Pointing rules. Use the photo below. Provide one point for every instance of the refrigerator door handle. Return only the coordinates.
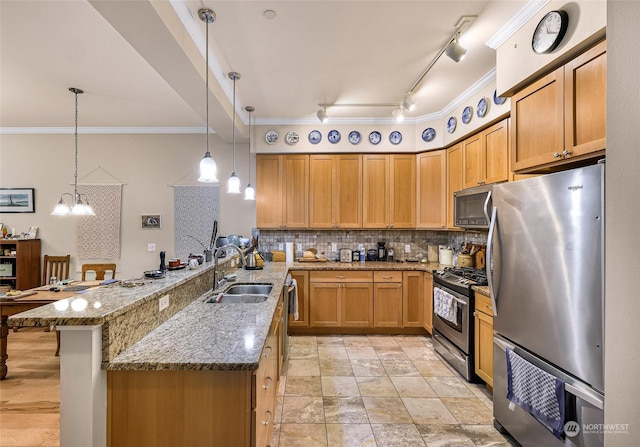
(502, 344)
(492, 227)
(585, 395)
(485, 208)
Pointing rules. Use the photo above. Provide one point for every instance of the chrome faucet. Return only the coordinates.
(217, 280)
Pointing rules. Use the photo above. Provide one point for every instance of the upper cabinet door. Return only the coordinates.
(322, 191)
(348, 191)
(455, 168)
(269, 191)
(375, 190)
(402, 180)
(496, 152)
(296, 191)
(586, 102)
(474, 161)
(431, 189)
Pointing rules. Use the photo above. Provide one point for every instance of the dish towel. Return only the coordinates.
(537, 392)
(293, 298)
(445, 305)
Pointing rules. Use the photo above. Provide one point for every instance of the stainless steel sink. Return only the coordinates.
(242, 293)
(249, 288)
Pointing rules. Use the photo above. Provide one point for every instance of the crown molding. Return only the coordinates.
(516, 22)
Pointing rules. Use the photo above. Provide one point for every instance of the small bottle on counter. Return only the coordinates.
(362, 256)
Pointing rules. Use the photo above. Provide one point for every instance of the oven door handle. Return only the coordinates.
(492, 229)
(453, 297)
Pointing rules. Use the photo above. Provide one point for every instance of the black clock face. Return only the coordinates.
(550, 32)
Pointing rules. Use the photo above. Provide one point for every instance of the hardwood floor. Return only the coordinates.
(30, 395)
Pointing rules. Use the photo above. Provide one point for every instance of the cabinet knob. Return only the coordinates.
(566, 153)
(268, 381)
(340, 276)
(267, 351)
(556, 155)
(387, 277)
(269, 417)
(475, 314)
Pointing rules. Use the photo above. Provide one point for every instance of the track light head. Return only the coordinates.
(455, 51)
(408, 103)
(398, 114)
(322, 115)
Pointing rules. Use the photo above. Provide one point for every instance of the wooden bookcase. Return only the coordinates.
(24, 265)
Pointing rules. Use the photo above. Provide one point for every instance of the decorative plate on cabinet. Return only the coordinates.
(292, 137)
(395, 137)
(467, 113)
(354, 137)
(428, 134)
(271, 137)
(375, 137)
(334, 136)
(482, 108)
(498, 99)
(451, 124)
(315, 137)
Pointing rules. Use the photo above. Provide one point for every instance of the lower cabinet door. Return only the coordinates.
(357, 304)
(324, 304)
(484, 347)
(387, 305)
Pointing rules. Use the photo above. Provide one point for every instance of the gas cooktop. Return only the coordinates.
(463, 276)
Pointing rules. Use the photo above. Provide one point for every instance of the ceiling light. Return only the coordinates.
(233, 185)
(249, 192)
(408, 103)
(398, 114)
(269, 14)
(322, 115)
(208, 168)
(455, 51)
(78, 208)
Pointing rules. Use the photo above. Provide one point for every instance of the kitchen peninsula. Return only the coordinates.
(207, 360)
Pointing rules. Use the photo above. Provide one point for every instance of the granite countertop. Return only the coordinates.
(368, 265)
(484, 290)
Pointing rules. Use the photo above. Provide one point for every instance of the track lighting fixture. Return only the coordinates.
(233, 185)
(456, 51)
(322, 115)
(208, 168)
(398, 114)
(408, 103)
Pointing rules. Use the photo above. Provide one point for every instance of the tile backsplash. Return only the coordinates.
(418, 240)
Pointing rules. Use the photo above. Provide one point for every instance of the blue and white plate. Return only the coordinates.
(315, 137)
(482, 108)
(451, 124)
(375, 137)
(498, 99)
(467, 113)
(428, 134)
(395, 137)
(333, 136)
(271, 137)
(355, 137)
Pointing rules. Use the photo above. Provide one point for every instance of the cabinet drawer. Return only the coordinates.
(387, 276)
(341, 276)
(483, 304)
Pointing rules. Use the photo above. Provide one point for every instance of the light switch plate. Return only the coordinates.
(151, 247)
(163, 303)
(281, 246)
(299, 247)
(407, 248)
(334, 246)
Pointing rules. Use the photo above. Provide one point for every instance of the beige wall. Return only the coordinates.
(147, 164)
(623, 214)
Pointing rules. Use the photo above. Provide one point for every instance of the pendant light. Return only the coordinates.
(78, 208)
(208, 168)
(233, 185)
(249, 192)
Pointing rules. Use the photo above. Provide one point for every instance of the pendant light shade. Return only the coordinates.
(78, 208)
(233, 185)
(249, 192)
(208, 167)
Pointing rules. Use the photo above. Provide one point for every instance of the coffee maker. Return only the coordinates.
(382, 252)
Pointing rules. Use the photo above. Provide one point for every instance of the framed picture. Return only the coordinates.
(150, 221)
(17, 200)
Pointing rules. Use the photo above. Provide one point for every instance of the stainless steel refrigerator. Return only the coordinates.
(546, 277)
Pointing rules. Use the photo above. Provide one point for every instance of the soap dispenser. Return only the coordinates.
(163, 266)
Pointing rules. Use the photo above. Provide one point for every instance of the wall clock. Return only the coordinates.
(550, 31)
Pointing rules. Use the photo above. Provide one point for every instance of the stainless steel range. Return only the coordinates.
(453, 316)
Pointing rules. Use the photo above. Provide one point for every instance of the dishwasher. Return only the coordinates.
(290, 301)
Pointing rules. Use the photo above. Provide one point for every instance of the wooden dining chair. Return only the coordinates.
(57, 266)
(99, 269)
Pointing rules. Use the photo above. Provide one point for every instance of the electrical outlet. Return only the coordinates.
(280, 246)
(334, 246)
(299, 247)
(163, 303)
(151, 247)
(407, 248)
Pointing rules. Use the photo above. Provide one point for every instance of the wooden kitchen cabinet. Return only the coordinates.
(428, 302)
(387, 298)
(341, 298)
(389, 191)
(455, 169)
(282, 190)
(412, 299)
(486, 156)
(483, 338)
(20, 271)
(302, 279)
(561, 118)
(431, 198)
(335, 191)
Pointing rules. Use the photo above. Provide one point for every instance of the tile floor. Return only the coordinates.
(384, 391)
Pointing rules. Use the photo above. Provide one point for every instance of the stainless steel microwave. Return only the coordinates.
(472, 207)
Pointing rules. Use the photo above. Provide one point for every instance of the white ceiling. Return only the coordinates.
(141, 63)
